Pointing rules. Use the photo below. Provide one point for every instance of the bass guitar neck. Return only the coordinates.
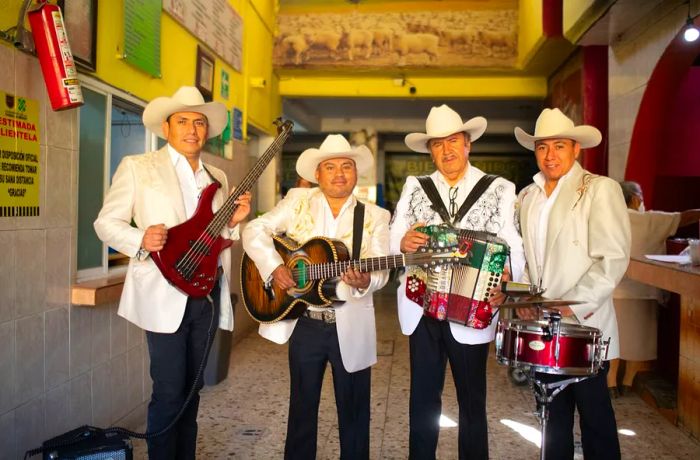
(190, 258)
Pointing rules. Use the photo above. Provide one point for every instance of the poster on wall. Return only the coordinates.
(215, 23)
(19, 156)
(468, 33)
(142, 35)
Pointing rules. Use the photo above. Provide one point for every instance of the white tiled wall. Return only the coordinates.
(61, 365)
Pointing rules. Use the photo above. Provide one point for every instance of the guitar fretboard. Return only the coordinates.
(333, 269)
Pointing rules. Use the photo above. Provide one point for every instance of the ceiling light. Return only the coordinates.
(691, 32)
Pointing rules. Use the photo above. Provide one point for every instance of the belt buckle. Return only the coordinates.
(328, 316)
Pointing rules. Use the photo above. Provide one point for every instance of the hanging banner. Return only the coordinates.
(19, 156)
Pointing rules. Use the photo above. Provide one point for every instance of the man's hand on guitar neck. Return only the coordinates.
(356, 279)
(241, 211)
(155, 237)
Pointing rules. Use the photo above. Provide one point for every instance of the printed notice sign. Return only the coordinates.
(19, 156)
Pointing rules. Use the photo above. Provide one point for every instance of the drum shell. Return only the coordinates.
(522, 344)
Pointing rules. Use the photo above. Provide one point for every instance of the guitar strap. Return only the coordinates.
(358, 223)
(438, 206)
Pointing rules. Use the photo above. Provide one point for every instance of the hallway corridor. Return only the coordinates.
(245, 416)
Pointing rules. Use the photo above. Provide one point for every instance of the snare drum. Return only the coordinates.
(560, 348)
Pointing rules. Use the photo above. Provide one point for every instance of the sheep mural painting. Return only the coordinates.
(472, 36)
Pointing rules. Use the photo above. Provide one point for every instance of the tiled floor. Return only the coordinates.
(246, 415)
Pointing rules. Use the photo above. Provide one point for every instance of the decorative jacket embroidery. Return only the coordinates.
(585, 183)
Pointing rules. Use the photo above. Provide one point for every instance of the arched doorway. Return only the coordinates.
(664, 152)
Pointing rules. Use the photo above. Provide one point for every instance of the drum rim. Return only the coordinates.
(567, 329)
(524, 366)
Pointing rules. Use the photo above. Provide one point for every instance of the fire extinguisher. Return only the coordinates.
(55, 57)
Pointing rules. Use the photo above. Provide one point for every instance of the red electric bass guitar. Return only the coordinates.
(190, 257)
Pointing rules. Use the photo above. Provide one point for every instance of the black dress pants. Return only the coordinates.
(312, 345)
(431, 346)
(175, 360)
(596, 415)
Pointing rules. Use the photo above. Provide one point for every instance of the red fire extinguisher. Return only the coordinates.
(57, 65)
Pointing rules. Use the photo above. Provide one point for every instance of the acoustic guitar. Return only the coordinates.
(316, 268)
(190, 257)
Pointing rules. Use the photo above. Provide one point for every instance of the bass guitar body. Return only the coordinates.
(267, 304)
(186, 261)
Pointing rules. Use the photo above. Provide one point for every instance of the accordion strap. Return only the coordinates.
(438, 206)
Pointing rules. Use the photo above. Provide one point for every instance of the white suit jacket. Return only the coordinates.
(494, 212)
(297, 216)
(587, 248)
(145, 189)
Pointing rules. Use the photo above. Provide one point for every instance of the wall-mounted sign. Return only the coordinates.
(237, 124)
(215, 23)
(224, 84)
(19, 156)
(142, 35)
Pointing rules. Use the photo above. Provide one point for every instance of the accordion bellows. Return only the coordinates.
(459, 291)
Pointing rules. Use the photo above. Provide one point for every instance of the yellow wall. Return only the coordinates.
(580, 15)
(178, 59)
(428, 87)
(530, 33)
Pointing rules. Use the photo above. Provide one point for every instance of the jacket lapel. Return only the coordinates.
(562, 207)
(525, 207)
(171, 184)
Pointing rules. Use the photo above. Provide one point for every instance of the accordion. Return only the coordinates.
(459, 291)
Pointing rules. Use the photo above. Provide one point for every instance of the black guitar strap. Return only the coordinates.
(438, 206)
(358, 223)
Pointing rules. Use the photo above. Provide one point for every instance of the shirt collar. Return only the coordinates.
(539, 179)
(175, 156)
(346, 205)
(463, 181)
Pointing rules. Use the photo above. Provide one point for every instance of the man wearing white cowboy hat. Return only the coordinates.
(344, 336)
(448, 140)
(577, 245)
(158, 190)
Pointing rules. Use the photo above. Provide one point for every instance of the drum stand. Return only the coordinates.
(542, 389)
(544, 397)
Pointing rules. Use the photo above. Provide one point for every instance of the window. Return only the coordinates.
(110, 128)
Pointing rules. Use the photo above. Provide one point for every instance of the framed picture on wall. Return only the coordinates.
(80, 17)
(204, 80)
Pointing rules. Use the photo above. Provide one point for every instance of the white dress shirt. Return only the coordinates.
(537, 225)
(191, 182)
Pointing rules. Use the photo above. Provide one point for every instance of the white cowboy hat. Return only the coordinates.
(442, 122)
(553, 124)
(333, 146)
(185, 99)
